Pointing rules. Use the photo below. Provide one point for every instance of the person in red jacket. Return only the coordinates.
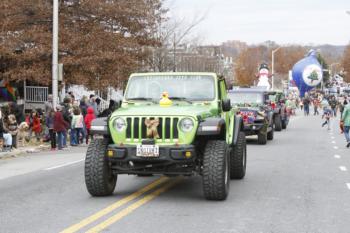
(60, 126)
(34, 122)
(88, 119)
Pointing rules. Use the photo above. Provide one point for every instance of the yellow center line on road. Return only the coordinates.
(108, 209)
(133, 207)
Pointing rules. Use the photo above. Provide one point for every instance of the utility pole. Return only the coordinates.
(273, 67)
(174, 69)
(55, 54)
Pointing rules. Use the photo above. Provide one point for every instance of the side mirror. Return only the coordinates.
(226, 105)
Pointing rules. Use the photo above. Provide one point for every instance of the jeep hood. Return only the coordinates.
(203, 110)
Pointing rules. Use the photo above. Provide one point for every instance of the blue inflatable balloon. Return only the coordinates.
(307, 73)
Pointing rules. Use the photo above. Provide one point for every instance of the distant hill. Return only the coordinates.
(331, 53)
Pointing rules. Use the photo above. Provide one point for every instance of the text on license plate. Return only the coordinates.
(147, 151)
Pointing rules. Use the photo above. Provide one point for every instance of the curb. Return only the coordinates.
(27, 150)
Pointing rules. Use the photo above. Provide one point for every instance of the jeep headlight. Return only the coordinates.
(186, 125)
(119, 124)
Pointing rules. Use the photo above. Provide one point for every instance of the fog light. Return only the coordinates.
(110, 153)
(188, 154)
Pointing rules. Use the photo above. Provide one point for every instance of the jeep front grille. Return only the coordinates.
(167, 129)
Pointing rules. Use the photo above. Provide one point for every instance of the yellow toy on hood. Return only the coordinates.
(165, 101)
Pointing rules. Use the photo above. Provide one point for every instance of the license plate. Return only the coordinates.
(147, 151)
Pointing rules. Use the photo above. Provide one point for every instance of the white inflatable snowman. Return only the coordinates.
(264, 76)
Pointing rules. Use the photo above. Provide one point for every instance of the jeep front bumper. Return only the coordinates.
(175, 160)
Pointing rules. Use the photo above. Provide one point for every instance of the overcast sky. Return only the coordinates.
(283, 21)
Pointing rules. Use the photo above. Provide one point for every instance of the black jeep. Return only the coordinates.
(256, 111)
(277, 103)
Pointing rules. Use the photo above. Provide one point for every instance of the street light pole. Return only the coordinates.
(55, 54)
(273, 67)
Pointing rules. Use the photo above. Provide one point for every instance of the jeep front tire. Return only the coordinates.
(99, 178)
(239, 158)
(278, 123)
(216, 170)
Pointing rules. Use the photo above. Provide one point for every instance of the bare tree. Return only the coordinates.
(171, 33)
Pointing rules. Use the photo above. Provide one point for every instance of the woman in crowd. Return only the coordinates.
(60, 126)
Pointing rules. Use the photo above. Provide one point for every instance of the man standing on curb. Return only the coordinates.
(346, 121)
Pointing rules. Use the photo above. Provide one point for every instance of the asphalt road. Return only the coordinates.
(297, 183)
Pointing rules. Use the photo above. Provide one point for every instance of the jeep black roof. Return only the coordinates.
(251, 90)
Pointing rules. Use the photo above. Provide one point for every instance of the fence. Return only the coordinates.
(36, 94)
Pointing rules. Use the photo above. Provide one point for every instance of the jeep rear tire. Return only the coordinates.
(262, 138)
(278, 123)
(270, 134)
(238, 158)
(216, 170)
(99, 178)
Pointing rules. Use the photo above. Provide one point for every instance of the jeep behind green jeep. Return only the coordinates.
(256, 111)
(171, 124)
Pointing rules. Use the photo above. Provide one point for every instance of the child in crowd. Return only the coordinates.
(50, 126)
(34, 122)
(88, 119)
(77, 126)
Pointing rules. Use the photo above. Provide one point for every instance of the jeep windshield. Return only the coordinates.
(238, 98)
(179, 87)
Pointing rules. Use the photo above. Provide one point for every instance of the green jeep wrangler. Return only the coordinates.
(191, 130)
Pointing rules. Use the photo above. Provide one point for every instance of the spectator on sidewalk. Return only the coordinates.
(50, 126)
(83, 105)
(34, 122)
(5, 136)
(67, 115)
(11, 126)
(72, 97)
(60, 126)
(48, 108)
(48, 105)
(345, 119)
(92, 103)
(90, 116)
(77, 126)
(16, 110)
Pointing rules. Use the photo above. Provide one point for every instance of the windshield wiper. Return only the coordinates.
(181, 99)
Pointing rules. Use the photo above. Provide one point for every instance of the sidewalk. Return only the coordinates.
(24, 150)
